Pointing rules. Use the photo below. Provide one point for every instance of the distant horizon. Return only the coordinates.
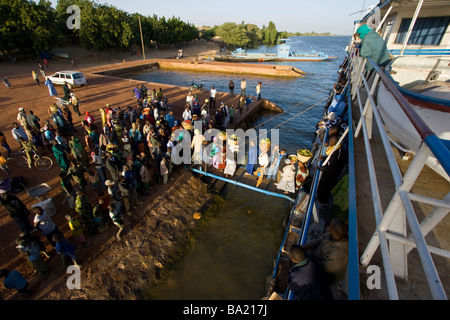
(325, 16)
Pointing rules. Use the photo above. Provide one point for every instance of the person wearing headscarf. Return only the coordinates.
(302, 174)
(61, 156)
(84, 209)
(51, 88)
(78, 151)
(88, 119)
(76, 171)
(372, 46)
(287, 182)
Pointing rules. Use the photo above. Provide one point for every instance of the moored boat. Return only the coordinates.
(404, 106)
(284, 53)
(424, 82)
(417, 37)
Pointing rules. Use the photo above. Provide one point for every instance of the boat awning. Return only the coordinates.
(405, 4)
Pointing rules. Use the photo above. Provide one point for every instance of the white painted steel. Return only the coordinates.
(379, 236)
(392, 224)
(411, 26)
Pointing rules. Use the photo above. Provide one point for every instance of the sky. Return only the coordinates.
(333, 16)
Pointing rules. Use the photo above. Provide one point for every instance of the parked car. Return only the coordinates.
(73, 78)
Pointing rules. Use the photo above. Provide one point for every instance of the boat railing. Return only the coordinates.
(391, 233)
(352, 277)
(309, 213)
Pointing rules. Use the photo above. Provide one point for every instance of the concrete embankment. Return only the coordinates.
(203, 66)
(235, 68)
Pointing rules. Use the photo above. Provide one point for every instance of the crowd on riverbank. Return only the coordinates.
(111, 157)
(119, 158)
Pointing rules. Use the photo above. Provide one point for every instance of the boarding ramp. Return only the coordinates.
(239, 179)
(398, 230)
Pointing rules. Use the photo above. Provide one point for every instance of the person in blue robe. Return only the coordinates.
(252, 157)
(51, 88)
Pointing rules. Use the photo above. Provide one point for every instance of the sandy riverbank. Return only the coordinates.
(157, 232)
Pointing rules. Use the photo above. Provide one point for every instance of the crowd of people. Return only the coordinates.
(129, 150)
(120, 157)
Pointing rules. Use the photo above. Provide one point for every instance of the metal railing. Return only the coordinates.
(391, 224)
(353, 281)
(353, 254)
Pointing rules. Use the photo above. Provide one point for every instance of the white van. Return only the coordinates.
(73, 78)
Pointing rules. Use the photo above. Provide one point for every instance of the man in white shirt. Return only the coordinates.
(190, 100)
(243, 88)
(187, 114)
(212, 98)
(43, 222)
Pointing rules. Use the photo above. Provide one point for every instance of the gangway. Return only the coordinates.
(240, 184)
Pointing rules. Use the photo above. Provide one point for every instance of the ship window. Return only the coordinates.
(427, 31)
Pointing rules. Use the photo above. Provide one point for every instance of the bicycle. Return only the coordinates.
(61, 103)
(133, 95)
(41, 162)
(195, 86)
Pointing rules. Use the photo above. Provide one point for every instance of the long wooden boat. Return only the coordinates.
(424, 82)
(284, 53)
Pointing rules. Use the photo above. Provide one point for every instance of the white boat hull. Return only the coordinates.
(401, 128)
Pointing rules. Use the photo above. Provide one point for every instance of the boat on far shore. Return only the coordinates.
(284, 53)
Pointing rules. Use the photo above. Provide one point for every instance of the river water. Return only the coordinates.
(233, 252)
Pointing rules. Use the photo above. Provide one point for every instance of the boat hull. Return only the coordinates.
(238, 59)
(436, 117)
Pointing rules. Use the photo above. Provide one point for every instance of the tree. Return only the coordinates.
(233, 35)
(270, 33)
(28, 26)
(254, 34)
(34, 27)
(102, 26)
(208, 34)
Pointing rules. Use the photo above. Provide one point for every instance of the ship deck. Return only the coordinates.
(430, 184)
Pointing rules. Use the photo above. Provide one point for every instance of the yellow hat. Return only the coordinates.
(197, 215)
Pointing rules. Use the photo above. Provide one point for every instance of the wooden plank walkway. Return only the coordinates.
(217, 185)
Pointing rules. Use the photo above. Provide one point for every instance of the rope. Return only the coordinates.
(289, 109)
(299, 114)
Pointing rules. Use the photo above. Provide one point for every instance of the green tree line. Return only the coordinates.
(33, 27)
(249, 35)
(27, 26)
(245, 34)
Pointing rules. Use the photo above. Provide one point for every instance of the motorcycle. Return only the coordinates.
(6, 82)
(195, 86)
